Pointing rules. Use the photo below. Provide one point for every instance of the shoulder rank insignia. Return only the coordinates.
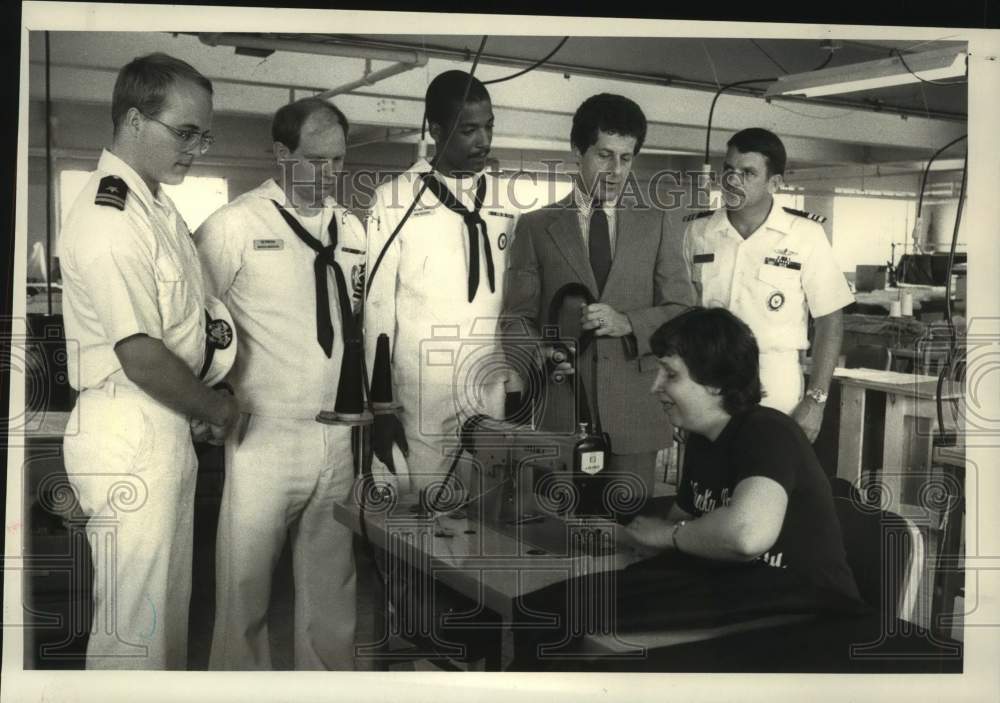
(697, 215)
(808, 215)
(111, 192)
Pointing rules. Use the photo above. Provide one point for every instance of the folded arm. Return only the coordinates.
(156, 370)
(740, 531)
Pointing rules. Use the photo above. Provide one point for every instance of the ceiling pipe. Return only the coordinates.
(374, 77)
(460, 55)
(302, 46)
(387, 135)
(405, 60)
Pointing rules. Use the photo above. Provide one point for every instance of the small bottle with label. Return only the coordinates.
(590, 457)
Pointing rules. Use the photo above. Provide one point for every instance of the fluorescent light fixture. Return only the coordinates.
(928, 65)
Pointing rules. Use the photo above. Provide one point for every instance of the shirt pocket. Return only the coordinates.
(176, 298)
(703, 268)
(779, 290)
(278, 265)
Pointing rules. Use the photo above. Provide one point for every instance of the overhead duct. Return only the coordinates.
(405, 60)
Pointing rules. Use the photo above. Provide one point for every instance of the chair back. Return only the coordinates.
(885, 552)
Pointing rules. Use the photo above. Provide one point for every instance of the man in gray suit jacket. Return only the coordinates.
(633, 269)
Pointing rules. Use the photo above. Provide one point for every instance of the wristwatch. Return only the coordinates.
(673, 534)
(816, 395)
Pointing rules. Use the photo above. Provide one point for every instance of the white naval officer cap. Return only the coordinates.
(220, 342)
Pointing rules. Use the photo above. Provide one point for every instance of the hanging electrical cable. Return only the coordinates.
(918, 222)
(440, 150)
(954, 360)
(826, 61)
(48, 177)
(951, 251)
(537, 64)
(437, 154)
(363, 443)
(711, 111)
(724, 88)
(927, 170)
(898, 54)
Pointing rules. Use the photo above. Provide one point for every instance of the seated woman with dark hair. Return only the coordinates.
(752, 487)
(753, 531)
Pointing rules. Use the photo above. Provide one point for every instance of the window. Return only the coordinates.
(864, 229)
(196, 198)
(531, 191)
(70, 184)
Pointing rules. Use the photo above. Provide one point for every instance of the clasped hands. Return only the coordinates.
(226, 418)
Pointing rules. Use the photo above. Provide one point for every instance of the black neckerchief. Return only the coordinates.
(324, 258)
(474, 224)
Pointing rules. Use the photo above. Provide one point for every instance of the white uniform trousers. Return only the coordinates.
(781, 378)
(279, 470)
(133, 467)
(432, 417)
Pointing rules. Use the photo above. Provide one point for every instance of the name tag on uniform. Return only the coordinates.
(420, 212)
(268, 244)
(782, 262)
(704, 258)
(500, 214)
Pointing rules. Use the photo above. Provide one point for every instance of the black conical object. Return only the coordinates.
(349, 408)
(381, 388)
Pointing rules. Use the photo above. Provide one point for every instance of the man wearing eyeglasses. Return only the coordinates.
(135, 315)
(288, 260)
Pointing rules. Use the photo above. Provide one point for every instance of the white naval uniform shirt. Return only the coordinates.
(772, 280)
(127, 272)
(263, 272)
(419, 295)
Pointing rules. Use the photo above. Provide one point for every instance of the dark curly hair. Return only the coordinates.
(719, 351)
(606, 112)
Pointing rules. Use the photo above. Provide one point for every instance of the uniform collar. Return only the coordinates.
(777, 220)
(450, 182)
(113, 164)
(719, 221)
(270, 190)
(423, 166)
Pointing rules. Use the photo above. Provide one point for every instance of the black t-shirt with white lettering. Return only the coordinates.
(765, 442)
